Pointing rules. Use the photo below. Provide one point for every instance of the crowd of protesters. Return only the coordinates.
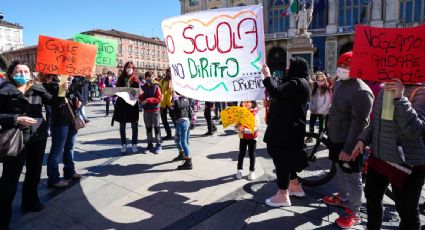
(348, 108)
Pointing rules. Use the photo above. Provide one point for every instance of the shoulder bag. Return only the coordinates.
(77, 121)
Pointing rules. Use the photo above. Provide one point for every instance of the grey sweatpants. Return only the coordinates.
(350, 188)
(151, 120)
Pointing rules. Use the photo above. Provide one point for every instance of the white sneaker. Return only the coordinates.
(239, 174)
(297, 194)
(252, 175)
(124, 148)
(134, 149)
(270, 203)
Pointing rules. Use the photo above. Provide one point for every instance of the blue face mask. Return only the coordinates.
(21, 79)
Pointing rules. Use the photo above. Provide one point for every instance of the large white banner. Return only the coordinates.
(217, 55)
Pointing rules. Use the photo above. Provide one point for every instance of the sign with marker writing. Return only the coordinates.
(381, 54)
(217, 55)
(57, 56)
(106, 49)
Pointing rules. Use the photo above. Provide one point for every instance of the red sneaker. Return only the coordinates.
(334, 200)
(348, 221)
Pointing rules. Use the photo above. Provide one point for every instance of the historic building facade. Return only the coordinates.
(145, 53)
(332, 27)
(11, 36)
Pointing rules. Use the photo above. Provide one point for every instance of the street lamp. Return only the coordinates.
(1, 16)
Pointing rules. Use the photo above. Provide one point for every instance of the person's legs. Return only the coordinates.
(107, 106)
(243, 143)
(185, 137)
(252, 146)
(155, 124)
(68, 153)
(178, 136)
(342, 184)
(407, 200)
(34, 162)
(12, 168)
(207, 114)
(375, 187)
(83, 113)
(123, 134)
(59, 135)
(313, 119)
(135, 131)
(165, 122)
(321, 122)
(355, 190)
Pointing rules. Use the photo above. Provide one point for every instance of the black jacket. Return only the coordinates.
(14, 104)
(181, 108)
(80, 87)
(286, 127)
(61, 115)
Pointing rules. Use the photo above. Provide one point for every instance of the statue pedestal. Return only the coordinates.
(301, 46)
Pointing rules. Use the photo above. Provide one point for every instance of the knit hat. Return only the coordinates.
(345, 58)
(298, 67)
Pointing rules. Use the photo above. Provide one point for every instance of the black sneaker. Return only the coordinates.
(179, 157)
(187, 165)
(168, 137)
(208, 134)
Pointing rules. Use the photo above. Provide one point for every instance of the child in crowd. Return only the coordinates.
(320, 102)
(248, 139)
(182, 114)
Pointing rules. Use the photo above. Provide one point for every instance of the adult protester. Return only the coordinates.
(124, 112)
(182, 114)
(63, 133)
(210, 123)
(397, 155)
(166, 103)
(19, 96)
(285, 131)
(110, 82)
(80, 85)
(349, 115)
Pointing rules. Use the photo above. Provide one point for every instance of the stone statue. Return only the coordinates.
(304, 18)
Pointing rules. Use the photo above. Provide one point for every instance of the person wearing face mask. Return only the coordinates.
(349, 115)
(126, 113)
(150, 100)
(21, 103)
(320, 101)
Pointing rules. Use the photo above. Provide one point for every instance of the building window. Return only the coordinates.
(277, 22)
(130, 49)
(193, 2)
(319, 15)
(412, 11)
(352, 12)
(120, 49)
(136, 50)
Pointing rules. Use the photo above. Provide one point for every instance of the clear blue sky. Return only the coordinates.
(63, 18)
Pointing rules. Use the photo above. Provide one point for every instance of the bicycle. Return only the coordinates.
(321, 169)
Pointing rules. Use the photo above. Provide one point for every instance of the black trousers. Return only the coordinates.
(252, 145)
(313, 119)
(165, 121)
(32, 156)
(207, 115)
(406, 199)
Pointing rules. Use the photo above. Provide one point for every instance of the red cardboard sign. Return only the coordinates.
(381, 54)
(57, 56)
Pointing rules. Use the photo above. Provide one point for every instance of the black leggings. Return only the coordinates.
(313, 119)
(252, 145)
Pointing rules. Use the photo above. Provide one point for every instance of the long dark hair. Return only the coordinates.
(323, 88)
(134, 79)
(253, 104)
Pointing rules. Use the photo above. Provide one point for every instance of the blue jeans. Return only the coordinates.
(182, 135)
(134, 128)
(82, 112)
(63, 140)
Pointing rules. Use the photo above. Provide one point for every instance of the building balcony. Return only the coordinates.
(276, 36)
(409, 24)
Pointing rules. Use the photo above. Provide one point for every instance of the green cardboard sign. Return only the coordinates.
(106, 49)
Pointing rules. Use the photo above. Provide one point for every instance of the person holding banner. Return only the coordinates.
(286, 129)
(349, 115)
(125, 113)
(397, 155)
(20, 95)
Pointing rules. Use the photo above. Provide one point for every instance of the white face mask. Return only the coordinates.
(343, 74)
(129, 71)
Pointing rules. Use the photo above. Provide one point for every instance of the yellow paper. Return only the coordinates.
(388, 105)
(238, 115)
(62, 91)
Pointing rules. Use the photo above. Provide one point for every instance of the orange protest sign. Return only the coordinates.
(58, 56)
